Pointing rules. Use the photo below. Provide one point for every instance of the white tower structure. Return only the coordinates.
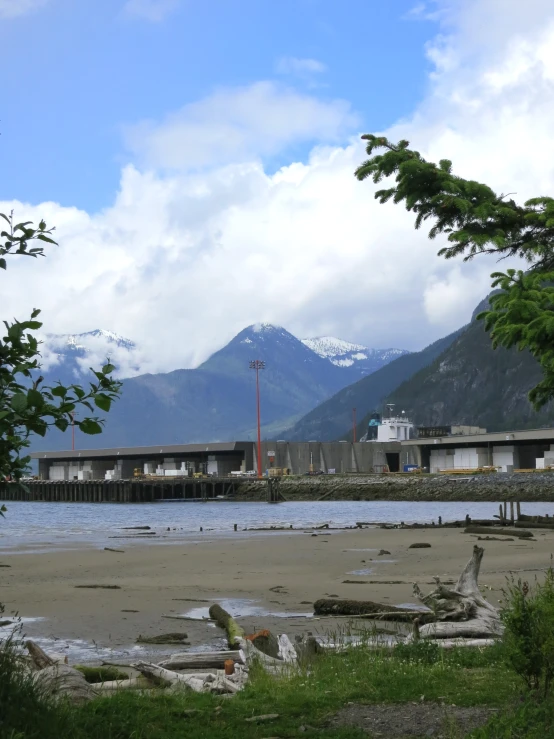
(394, 428)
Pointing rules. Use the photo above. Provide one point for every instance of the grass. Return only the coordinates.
(303, 698)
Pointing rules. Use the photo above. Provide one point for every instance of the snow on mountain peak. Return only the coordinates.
(330, 346)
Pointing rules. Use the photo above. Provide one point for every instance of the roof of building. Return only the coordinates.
(146, 451)
(546, 434)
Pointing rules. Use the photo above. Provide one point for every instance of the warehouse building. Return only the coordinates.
(218, 459)
(452, 448)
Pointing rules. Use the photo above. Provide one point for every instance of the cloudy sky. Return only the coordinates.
(197, 160)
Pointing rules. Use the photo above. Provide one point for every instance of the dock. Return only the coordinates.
(120, 491)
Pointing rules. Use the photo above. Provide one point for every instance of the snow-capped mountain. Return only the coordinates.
(69, 356)
(361, 359)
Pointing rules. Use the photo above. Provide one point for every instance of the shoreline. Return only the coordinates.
(257, 577)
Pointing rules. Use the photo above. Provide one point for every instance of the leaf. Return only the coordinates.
(35, 313)
(19, 402)
(42, 237)
(102, 401)
(89, 426)
(62, 424)
(107, 369)
(3, 264)
(35, 399)
(59, 391)
(5, 217)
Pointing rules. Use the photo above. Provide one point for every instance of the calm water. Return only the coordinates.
(64, 525)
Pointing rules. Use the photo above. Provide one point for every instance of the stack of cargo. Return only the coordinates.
(546, 461)
(470, 459)
(506, 458)
(441, 459)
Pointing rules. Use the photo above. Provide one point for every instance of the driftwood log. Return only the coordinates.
(202, 660)
(199, 683)
(498, 531)
(63, 682)
(225, 621)
(461, 611)
(366, 609)
(266, 642)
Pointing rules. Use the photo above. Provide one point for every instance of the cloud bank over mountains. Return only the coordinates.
(204, 238)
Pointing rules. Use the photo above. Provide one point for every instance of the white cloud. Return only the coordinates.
(14, 8)
(241, 124)
(182, 262)
(301, 67)
(150, 10)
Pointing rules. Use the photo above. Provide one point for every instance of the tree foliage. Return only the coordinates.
(27, 406)
(476, 220)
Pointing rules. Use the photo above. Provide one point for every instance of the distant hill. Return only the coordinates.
(214, 402)
(472, 383)
(331, 419)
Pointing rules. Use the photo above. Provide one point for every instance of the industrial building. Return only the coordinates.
(218, 459)
(451, 448)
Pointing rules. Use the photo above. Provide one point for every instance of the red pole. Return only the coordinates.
(259, 428)
(73, 431)
(354, 424)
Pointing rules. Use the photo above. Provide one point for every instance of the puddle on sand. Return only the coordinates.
(369, 570)
(360, 550)
(238, 607)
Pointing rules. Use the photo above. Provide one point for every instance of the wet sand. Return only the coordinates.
(274, 573)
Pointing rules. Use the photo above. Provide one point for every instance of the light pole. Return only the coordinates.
(257, 365)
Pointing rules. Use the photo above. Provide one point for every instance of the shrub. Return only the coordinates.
(529, 631)
(24, 712)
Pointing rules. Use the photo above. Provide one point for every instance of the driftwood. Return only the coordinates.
(199, 660)
(365, 609)
(200, 683)
(461, 611)
(102, 587)
(187, 618)
(63, 682)
(171, 638)
(266, 642)
(132, 683)
(498, 531)
(535, 524)
(225, 621)
(287, 652)
(39, 657)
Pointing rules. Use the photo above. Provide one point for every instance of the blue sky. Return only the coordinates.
(197, 160)
(76, 73)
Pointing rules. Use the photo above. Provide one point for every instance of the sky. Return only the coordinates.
(197, 161)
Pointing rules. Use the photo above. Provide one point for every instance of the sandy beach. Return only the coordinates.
(266, 575)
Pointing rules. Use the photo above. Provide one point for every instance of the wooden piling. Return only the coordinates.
(512, 511)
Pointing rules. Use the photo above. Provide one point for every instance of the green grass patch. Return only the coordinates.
(304, 697)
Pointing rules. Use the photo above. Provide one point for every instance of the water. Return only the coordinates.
(44, 526)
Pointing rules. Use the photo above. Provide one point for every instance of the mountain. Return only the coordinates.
(217, 401)
(360, 359)
(68, 357)
(472, 383)
(333, 417)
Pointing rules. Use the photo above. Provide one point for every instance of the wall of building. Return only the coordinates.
(340, 456)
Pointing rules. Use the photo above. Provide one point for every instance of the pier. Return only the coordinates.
(120, 491)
